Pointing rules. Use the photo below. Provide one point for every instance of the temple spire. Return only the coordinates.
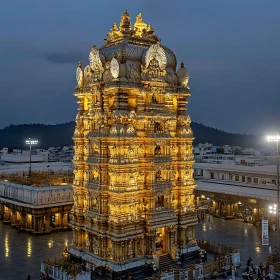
(139, 25)
(125, 24)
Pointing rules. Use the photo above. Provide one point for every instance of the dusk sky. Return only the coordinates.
(230, 48)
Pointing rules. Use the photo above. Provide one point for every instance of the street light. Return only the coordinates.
(276, 138)
(273, 209)
(30, 142)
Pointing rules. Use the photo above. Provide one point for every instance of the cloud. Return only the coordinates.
(60, 57)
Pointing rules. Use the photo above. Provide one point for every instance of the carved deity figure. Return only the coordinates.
(157, 150)
(94, 60)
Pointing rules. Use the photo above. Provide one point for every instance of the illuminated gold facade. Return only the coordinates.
(133, 185)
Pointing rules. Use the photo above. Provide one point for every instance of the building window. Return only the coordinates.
(273, 182)
(256, 180)
(236, 178)
(212, 175)
(223, 176)
(263, 182)
(243, 179)
(249, 180)
(230, 176)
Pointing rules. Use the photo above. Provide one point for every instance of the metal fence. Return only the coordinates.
(198, 271)
(61, 269)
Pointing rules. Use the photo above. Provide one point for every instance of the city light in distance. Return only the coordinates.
(274, 138)
(31, 142)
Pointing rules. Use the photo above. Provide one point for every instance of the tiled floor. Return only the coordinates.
(21, 253)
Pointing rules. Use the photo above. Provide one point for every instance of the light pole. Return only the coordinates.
(276, 138)
(30, 142)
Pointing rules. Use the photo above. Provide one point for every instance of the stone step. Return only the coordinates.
(166, 262)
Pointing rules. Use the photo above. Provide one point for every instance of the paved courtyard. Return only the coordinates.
(235, 233)
(21, 253)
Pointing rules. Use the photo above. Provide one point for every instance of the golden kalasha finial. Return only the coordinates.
(80, 64)
(114, 27)
(139, 18)
(182, 64)
(150, 30)
(125, 24)
(139, 25)
(114, 31)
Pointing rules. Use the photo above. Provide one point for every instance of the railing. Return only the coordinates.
(195, 271)
(56, 177)
(62, 269)
(216, 248)
(225, 257)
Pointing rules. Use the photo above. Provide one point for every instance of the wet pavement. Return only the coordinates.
(246, 237)
(21, 253)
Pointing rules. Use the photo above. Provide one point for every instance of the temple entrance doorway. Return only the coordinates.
(160, 241)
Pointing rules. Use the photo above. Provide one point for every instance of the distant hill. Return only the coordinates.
(14, 136)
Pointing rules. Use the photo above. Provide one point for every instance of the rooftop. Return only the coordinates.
(267, 169)
(232, 188)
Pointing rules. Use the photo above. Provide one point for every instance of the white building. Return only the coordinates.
(35, 209)
(234, 184)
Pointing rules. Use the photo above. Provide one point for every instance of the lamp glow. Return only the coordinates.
(273, 138)
(30, 142)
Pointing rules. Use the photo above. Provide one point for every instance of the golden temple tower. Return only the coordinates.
(133, 185)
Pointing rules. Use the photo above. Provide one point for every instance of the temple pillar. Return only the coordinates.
(197, 202)
(65, 220)
(151, 244)
(182, 236)
(235, 207)
(229, 210)
(190, 233)
(215, 207)
(104, 245)
(255, 214)
(7, 215)
(14, 218)
(166, 240)
(41, 223)
(60, 222)
(47, 223)
(23, 220)
(28, 222)
(74, 237)
(35, 224)
(220, 210)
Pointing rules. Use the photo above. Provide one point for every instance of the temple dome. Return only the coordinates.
(130, 50)
(132, 56)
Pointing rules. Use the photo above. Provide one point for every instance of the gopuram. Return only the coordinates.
(133, 177)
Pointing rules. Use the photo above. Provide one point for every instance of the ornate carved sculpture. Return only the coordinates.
(133, 175)
(156, 52)
(94, 60)
(114, 68)
(80, 76)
